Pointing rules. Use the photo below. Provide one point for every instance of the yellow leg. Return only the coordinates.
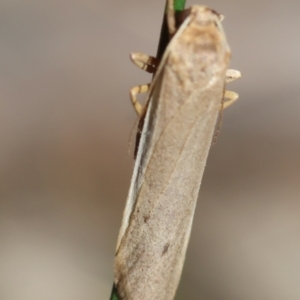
(144, 61)
(231, 96)
(139, 89)
(232, 75)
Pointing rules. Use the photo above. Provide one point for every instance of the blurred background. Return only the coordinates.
(67, 131)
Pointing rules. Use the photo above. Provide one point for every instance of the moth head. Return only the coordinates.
(205, 16)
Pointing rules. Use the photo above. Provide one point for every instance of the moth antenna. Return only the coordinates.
(171, 17)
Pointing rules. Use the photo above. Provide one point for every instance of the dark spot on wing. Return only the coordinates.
(166, 248)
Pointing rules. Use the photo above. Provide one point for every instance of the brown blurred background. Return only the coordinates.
(66, 124)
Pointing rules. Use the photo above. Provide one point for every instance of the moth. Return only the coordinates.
(178, 123)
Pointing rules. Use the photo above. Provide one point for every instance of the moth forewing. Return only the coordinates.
(184, 103)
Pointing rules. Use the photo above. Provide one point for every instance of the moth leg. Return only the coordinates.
(232, 75)
(139, 89)
(231, 96)
(144, 61)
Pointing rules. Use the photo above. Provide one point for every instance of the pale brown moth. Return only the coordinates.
(185, 99)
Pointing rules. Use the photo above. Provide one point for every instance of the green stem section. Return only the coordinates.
(114, 294)
(179, 5)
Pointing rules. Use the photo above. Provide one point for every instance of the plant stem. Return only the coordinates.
(163, 42)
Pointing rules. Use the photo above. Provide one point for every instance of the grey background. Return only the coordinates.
(66, 125)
